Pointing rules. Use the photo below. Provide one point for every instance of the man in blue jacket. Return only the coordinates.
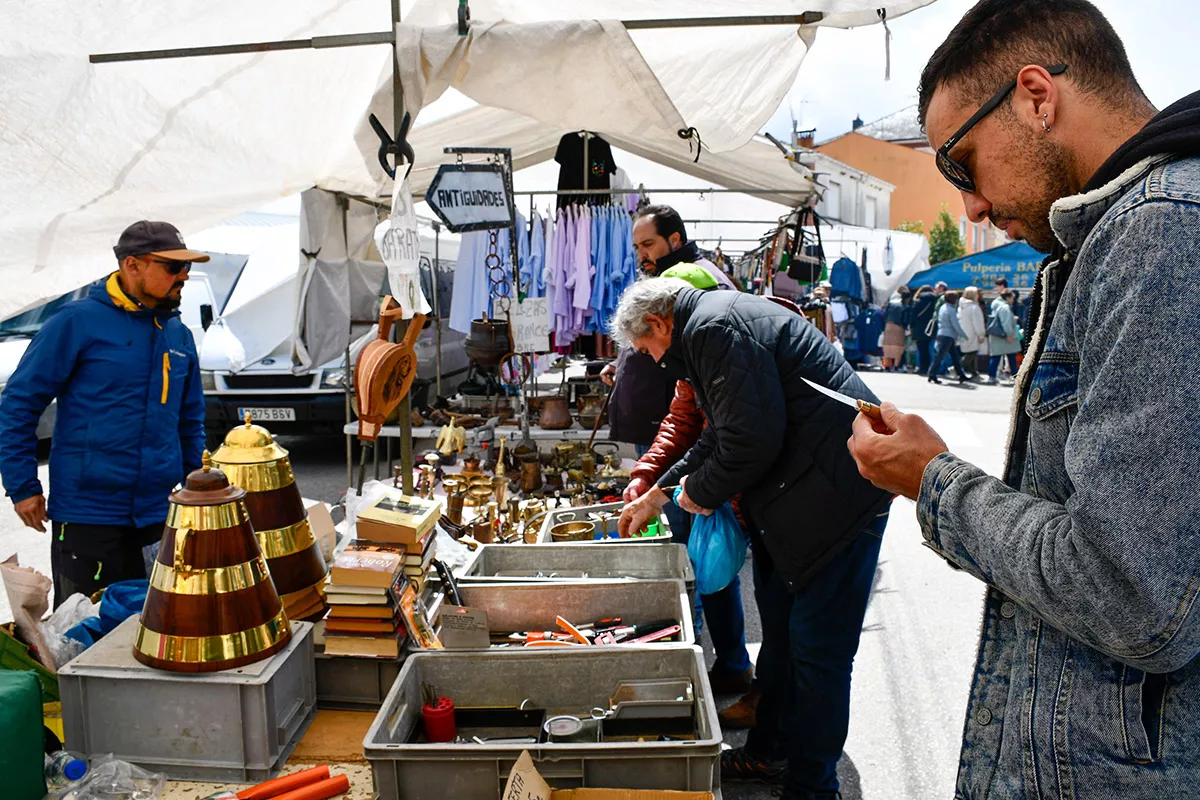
(130, 423)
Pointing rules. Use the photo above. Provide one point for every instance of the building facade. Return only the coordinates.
(849, 196)
(895, 150)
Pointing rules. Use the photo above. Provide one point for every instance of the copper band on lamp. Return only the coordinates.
(265, 477)
(280, 542)
(207, 518)
(209, 649)
(217, 580)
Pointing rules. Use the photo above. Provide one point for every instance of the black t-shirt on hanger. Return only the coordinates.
(570, 173)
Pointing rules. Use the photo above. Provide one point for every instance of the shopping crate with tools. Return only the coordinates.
(503, 700)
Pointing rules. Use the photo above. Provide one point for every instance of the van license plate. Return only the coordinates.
(268, 414)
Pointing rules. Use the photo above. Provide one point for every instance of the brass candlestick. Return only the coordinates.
(501, 470)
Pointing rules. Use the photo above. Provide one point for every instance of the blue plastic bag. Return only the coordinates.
(121, 601)
(717, 548)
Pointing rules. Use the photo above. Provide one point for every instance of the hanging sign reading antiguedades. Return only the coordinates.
(399, 244)
(470, 197)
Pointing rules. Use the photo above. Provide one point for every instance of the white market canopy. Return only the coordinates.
(85, 149)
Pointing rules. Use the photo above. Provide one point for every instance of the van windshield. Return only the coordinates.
(26, 325)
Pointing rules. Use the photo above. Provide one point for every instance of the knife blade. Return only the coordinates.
(862, 406)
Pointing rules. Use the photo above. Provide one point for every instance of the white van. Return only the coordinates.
(291, 398)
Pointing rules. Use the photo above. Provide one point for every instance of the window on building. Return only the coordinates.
(872, 213)
(962, 229)
(833, 200)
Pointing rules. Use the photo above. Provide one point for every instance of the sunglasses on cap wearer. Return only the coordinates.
(172, 267)
(953, 170)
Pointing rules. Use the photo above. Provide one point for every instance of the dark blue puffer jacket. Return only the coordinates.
(771, 436)
(130, 421)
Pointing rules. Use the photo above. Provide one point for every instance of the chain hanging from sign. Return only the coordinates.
(514, 369)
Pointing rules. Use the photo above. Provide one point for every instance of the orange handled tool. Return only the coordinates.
(286, 783)
(319, 791)
(571, 629)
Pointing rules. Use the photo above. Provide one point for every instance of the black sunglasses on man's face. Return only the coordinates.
(172, 267)
(956, 172)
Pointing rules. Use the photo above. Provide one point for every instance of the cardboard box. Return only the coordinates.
(397, 518)
(525, 783)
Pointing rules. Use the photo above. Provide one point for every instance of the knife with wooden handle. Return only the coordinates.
(862, 406)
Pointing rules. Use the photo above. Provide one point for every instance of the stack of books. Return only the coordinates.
(395, 546)
(365, 583)
(403, 521)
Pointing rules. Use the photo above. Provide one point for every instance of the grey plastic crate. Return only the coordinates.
(580, 514)
(558, 563)
(348, 683)
(560, 681)
(238, 725)
(534, 606)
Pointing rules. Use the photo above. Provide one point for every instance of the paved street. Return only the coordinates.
(913, 670)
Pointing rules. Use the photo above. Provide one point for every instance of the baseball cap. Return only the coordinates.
(160, 239)
(694, 274)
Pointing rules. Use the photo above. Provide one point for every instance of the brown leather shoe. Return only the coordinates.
(741, 714)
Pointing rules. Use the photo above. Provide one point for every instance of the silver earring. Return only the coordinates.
(1045, 127)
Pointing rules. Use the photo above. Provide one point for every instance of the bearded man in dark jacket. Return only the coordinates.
(816, 524)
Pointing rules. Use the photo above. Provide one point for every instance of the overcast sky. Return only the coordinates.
(843, 75)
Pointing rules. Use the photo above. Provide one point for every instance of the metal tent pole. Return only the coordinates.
(406, 449)
(389, 37)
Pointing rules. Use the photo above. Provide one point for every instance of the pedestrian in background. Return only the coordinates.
(970, 316)
(921, 315)
(895, 332)
(949, 334)
(1004, 339)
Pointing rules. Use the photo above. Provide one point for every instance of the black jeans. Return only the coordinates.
(947, 344)
(86, 558)
(924, 346)
(809, 642)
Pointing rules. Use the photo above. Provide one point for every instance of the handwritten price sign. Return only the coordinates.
(530, 322)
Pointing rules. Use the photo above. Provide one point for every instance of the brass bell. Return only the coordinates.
(211, 604)
(254, 462)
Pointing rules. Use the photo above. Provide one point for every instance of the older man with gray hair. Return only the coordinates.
(816, 524)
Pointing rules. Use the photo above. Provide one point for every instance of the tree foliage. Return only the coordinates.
(945, 244)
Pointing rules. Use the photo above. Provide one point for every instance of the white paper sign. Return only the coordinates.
(530, 323)
(399, 244)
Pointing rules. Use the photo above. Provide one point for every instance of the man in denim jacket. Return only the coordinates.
(1086, 684)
